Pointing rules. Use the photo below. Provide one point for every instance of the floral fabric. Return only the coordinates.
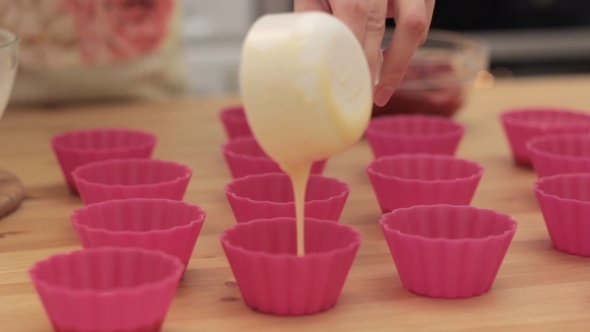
(83, 44)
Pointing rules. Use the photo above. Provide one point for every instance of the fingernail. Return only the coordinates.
(383, 94)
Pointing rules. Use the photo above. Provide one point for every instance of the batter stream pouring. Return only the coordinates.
(307, 93)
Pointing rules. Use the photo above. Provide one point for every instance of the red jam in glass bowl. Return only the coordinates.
(439, 76)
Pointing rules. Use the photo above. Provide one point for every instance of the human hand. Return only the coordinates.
(366, 19)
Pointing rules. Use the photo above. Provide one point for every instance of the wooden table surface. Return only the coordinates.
(537, 289)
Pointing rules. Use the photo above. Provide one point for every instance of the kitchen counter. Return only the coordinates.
(537, 288)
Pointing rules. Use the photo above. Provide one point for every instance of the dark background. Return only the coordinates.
(510, 14)
(528, 37)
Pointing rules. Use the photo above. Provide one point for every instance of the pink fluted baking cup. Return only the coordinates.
(401, 134)
(244, 156)
(565, 203)
(76, 148)
(266, 196)
(132, 178)
(560, 153)
(274, 280)
(406, 180)
(447, 251)
(107, 289)
(522, 124)
(234, 122)
(150, 223)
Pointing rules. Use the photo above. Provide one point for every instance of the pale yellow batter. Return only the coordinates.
(307, 93)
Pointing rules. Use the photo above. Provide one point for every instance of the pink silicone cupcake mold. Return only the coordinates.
(266, 196)
(565, 203)
(401, 134)
(107, 289)
(522, 124)
(406, 180)
(132, 178)
(244, 157)
(150, 223)
(234, 122)
(76, 148)
(560, 153)
(274, 280)
(447, 251)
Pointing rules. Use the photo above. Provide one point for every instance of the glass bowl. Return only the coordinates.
(439, 76)
(8, 65)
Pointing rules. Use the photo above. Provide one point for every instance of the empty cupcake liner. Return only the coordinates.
(107, 289)
(274, 280)
(402, 134)
(560, 153)
(266, 196)
(446, 251)
(132, 178)
(421, 179)
(522, 124)
(565, 204)
(244, 156)
(76, 148)
(234, 122)
(159, 224)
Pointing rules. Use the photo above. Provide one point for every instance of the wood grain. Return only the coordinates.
(537, 289)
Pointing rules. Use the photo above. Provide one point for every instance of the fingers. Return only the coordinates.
(354, 14)
(429, 4)
(366, 19)
(374, 30)
(411, 21)
(311, 5)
